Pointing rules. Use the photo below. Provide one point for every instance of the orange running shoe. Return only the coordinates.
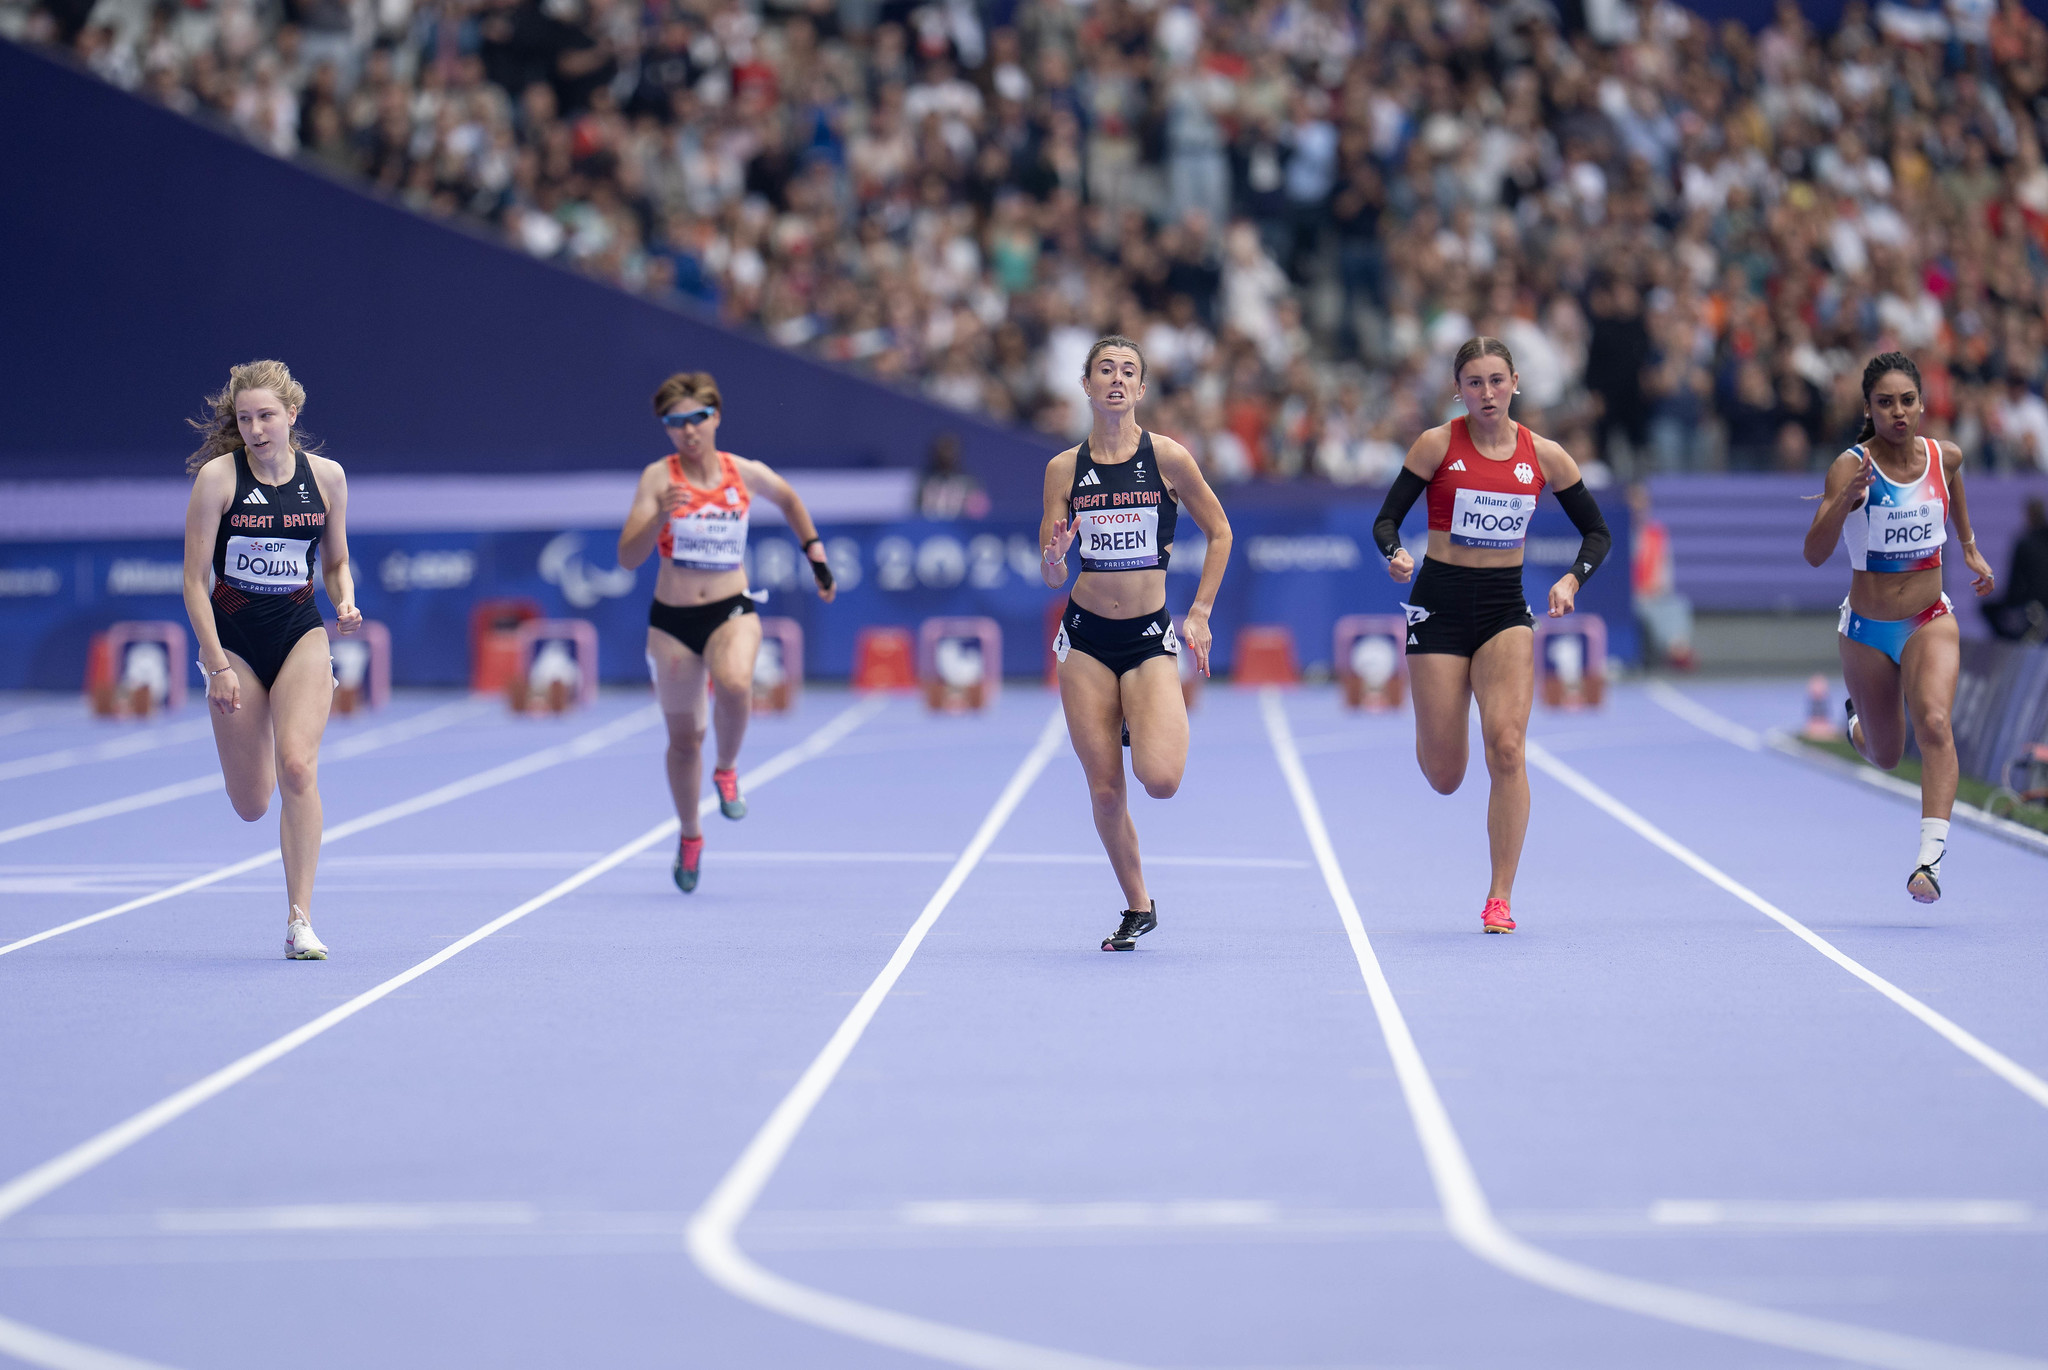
(729, 802)
(689, 855)
(1495, 916)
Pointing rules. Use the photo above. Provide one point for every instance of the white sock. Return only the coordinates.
(1933, 840)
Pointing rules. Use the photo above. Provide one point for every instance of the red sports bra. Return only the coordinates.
(1482, 502)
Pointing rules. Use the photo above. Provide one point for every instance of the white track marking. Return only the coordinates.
(592, 741)
(148, 740)
(34, 714)
(1778, 740)
(40, 1348)
(1471, 1217)
(1992, 1059)
(418, 725)
(1703, 718)
(1837, 1215)
(712, 1241)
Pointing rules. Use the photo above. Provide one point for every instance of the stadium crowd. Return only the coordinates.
(1690, 235)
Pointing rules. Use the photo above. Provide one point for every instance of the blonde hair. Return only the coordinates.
(221, 434)
(686, 385)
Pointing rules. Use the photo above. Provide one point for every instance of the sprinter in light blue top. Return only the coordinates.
(1890, 499)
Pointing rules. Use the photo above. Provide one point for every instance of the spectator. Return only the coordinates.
(2019, 422)
(945, 491)
(1664, 615)
(2022, 613)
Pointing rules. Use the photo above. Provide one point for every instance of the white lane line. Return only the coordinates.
(1837, 1215)
(1471, 1217)
(1992, 1059)
(56, 1353)
(22, 719)
(149, 740)
(571, 750)
(1705, 719)
(418, 725)
(712, 1242)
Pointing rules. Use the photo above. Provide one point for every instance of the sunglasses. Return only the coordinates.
(689, 420)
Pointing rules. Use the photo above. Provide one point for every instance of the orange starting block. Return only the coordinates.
(961, 663)
(134, 669)
(779, 668)
(557, 665)
(1371, 655)
(883, 660)
(362, 666)
(1264, 655)
(1820, 725)
(494, 658)
(1571, 661)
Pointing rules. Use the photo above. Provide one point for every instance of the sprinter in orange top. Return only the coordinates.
(1470, 632)
(692, 508)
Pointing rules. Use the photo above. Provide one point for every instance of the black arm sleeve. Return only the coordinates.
(1386, 529)
(1594, 539)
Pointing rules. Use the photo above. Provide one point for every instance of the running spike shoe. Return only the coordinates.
(729, 802)
(299, 942)
(1137, 922)
(1924, 884)
(689, 856)
(1495, 916)
(1127, 732)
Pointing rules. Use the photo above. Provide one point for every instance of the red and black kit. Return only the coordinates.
(263, 566)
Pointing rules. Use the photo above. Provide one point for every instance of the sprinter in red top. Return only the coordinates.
(692, 508)
(1470, 632)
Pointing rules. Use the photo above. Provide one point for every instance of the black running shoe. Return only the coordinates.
(1135, 925)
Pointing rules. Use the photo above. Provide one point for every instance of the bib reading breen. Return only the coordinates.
(1124, 516)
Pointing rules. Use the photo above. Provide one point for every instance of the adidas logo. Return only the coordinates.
(1152, 631)
(255, 497)
(1458, 465)
(1412, 642)
(1092, 478)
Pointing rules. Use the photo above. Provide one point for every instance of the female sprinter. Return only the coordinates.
(692, 508)
(1470, 632)
(1118, 496)
(1890, 498)
(261, 502)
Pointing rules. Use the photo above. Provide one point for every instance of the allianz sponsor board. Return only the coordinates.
(452, 569)
(141, 576)
(30, 582)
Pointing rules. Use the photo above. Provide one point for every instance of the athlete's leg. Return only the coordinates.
(299, 700)
(730, 654)
(243, 739)
(1879, 733)
(1158, 715)
(1504, 682)
(679, 675)
(1095, 715)
(1932, 659)
(1442, 688)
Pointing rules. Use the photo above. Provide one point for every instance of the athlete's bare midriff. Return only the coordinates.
(1893, 594)
(1441, 548)
(682, 588)
(1121, 594)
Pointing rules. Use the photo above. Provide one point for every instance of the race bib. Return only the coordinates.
(1488, 518)
(1905, 537)
(268, 566)
(1123, 539)
(709, 539)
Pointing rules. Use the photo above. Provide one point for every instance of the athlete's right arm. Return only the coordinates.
(654, 500)
(212, 488)
(1849, 476)
(1423, 458)
(1055, 528)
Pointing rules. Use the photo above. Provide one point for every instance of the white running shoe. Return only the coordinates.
(301, 945)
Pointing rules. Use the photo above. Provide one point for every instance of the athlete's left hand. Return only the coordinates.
(828, 589)
(347, 618)
(1564, 596)
(1194, 631)
(1980, 570)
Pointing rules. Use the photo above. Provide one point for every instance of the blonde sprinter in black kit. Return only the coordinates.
(1118, 496)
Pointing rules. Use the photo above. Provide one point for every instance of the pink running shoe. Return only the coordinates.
(1495, 916)
(729, 802)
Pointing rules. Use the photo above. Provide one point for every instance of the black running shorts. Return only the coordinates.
(1456, 610)
(1122, 644)
(263, 629)
(693, 625)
